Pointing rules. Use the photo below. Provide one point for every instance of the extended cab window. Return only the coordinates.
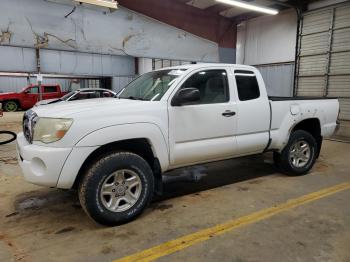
(212, 85)
(50, 89)
(247, 87)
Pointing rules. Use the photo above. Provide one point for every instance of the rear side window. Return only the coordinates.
(247, 87)
(106, 94)
(50, 89)
(86, 95)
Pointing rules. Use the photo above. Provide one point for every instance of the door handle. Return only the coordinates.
(228, 113)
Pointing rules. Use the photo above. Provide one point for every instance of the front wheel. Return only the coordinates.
(117, 188)
(299, 155)
(10, 106)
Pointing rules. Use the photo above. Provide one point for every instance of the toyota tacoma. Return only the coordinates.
(115, 151)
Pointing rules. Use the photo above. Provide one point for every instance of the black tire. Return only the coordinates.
(277, 159)
(91, 185)
(10, 106)
(285, 159)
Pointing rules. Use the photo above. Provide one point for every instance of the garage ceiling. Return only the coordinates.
(216, 8)
(235, 12)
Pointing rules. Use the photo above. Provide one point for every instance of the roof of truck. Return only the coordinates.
(94, 89)
(201, 65)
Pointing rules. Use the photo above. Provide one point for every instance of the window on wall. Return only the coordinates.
(247, 87)
(93, 83)
(212, 85)
(161, 63)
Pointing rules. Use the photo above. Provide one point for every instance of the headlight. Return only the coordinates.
(48, 130)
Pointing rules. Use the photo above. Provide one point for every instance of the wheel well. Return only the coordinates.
(313, 127)
(14, 100)
(139, 146)
(8, 100)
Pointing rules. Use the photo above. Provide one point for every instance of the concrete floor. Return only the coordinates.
(43, 224)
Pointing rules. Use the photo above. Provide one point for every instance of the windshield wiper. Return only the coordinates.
(133, 98)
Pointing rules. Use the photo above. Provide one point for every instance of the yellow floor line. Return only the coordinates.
(172, 246)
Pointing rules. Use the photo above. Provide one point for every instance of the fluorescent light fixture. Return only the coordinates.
(104, 3)
(252, 7)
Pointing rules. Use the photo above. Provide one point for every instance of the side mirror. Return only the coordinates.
(186, 95)
(27, 91)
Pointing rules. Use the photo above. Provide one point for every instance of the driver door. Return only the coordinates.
(30, 97)
(205, 130)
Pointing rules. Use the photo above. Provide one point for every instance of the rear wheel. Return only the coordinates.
(299, 155)
(117, 188)
(10, 106)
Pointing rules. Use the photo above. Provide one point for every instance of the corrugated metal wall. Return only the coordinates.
(77, 63)
(56, 62)
(275, 59)
(324, 56)
(16, 83)
(20, 59)
(118, 83)
(12, 84)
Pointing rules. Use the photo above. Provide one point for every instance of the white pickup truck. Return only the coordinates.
(114, 151)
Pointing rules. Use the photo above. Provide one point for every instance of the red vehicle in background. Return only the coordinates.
(28, 97)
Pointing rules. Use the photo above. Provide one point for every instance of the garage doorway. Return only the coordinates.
(323, 64)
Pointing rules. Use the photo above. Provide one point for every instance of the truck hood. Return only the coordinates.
(47, 101)
(7, 94)
(94, 114)
(91, 106)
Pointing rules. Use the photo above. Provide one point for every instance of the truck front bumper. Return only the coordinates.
(51, 166)
(40, 165)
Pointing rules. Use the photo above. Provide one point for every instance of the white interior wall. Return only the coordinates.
(268, 42)
(267, 39)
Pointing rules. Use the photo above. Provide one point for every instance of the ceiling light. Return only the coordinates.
(104, 3)
(253, 7)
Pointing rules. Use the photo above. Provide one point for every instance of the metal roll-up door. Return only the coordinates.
(323, 65)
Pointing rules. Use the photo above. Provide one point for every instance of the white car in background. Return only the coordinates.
(80, 94)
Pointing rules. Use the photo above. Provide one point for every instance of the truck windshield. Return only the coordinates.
(151, 86)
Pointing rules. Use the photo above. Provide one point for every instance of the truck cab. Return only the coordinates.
(29, 96)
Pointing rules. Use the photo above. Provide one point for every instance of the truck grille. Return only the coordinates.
(29, 120)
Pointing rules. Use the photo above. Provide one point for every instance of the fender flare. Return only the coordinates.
(116, 133)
